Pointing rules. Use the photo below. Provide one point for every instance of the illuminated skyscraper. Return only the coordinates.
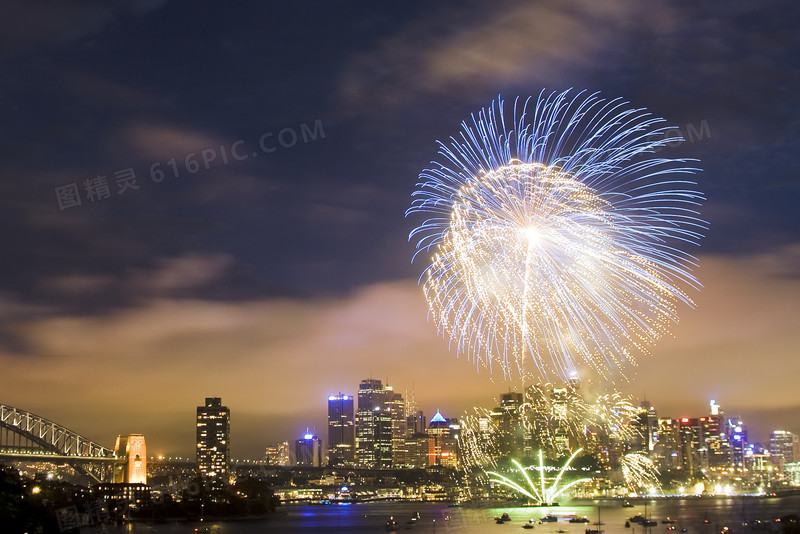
(511, 430)
(308, 451)
(784, 445)
(341, 430)
(397, 412)
(415, 423)
(716, 439)
(416, 443)
(373, 426)
(278, 454)
(213, 442)
(134, 468)
(737, 437)
(418, 450)
(560, 398)
(692, 444)
(443, 442)
(648, 420)
(668, 453)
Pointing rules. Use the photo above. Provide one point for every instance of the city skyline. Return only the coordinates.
(758, 432)
(200, 201)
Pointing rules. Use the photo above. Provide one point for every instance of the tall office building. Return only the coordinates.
(737, 438)
(308, 451)
(648, 424)
(416, 443)
(134, 452)
(716, 439)
(397, 412)
(373, 426)
(213, 442)
(443, 442)
(508, 420)
(418, 449)
(667, 453)
(561, 398)
(341, 430)
(415, 422)
(784, 445)
(278, 454)
(689, 434)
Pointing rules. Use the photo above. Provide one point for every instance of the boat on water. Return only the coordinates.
(669, 521)
(527, 526)
(502, 519)
(549, 518)
(627, 504)
(577, 519)
(638, 518)
(391, 524)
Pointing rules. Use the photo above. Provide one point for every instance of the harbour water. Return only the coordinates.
(706, 515)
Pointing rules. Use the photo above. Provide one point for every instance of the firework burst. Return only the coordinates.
(478, 444)
(541, 494)
(554, 419)
(639, 472)
(557, 235)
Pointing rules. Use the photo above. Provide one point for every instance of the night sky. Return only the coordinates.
(278, 278)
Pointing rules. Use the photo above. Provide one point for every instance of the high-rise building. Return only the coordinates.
(278, 454)
(415, 423)
(508, 420)
(341, 430)
(416, 440)
(785, 446)
(716, 439)
(132, 450)
(417, 450)
(213, 442)
(702, 451)
(667, 453)
(689, 431)
(648, 421)
(308, 451)
(373, 426)
(560, 398)
(371, 394)
(737, 438)
(443, 443)
(397, 412)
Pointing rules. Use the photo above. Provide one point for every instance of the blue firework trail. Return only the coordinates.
(557, 236)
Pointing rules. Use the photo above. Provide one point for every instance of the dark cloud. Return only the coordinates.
(32, 25)
(490, 47)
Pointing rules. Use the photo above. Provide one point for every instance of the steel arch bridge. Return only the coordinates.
(26, 436)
